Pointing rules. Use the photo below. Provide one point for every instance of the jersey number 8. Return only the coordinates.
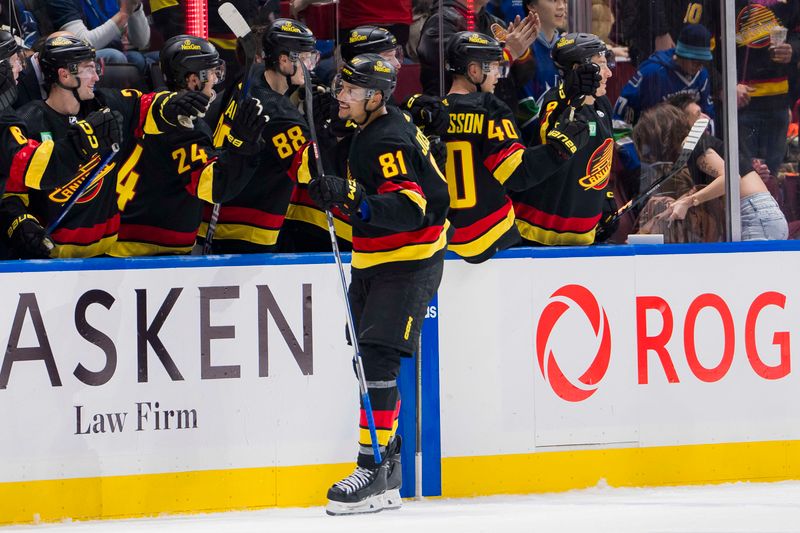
(288, 143)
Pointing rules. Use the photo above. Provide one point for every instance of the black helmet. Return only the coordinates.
(466, 47)
(182, 55)
(8, 45)
(371, 71)
(286, 36)
(367, 40)
(63, 52)
(574, 48)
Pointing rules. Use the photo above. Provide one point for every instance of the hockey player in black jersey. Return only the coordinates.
(566, 209)
(486, 156)
(251, 221)
(92, 120)
(164, 183)
(397, 202)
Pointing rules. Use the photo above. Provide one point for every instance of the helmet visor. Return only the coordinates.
(393, 56)
(499, 68)
(349, 93)
(218, 72)
(87, 70)
(309, 59)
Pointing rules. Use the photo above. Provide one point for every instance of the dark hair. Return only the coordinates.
(659, 133)
(683, 99)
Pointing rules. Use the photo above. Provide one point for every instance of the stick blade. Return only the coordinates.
(235, 21)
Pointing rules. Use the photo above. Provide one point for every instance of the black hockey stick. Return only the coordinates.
(82, 189)
(362, 381)
(247, 40)
(688, 146)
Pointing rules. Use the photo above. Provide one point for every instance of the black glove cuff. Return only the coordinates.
(19, 220)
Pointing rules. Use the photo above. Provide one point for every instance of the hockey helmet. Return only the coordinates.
(8, 44)
(575, 48)
(367, 40)
(467, 47)
(64, 52)
(183, 55)
(372, 72)
(292, 38)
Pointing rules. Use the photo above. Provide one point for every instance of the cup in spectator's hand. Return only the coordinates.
(781, 53)
(777, 35)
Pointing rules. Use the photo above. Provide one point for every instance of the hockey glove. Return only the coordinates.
(567, 137)
(190, 104)
(606, 229)
(97, 132)
(583, 80)
(428, 113)
(333, 191)
(29, 239)
(8, 87)
(248, 124)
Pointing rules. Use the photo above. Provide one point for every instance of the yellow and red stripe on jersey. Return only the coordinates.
(245, 224)
(300, 171)
(201, 182)
(403, 246)
(475, 239)
(29, 165)
(385, 426)
(303, 209)
(85, 242)
(769, 87)
(505, 162)
(142, 239)
(409, 189)
(551, 229)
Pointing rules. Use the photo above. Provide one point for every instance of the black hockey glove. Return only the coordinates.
(428, 113)
(606, 229)
(29, 239)
(188, 104)
(248, 124)
(329, 191)
(567, 137)
(583, 80)
(8, 87)
(97, 132)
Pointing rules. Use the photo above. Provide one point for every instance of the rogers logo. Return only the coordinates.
(573, 296)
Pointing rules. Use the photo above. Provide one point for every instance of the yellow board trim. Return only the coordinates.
(553, 471)
(310, 215)
(544, 236)
(477, 246)
(508, 166)
(177, 492)
(38, 164)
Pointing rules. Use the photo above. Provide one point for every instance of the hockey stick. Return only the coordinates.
(82, 189)
(362, 381)
(689, 144)
(235, 21)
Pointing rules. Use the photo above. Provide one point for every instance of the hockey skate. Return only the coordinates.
(394, 475)
(360, 492)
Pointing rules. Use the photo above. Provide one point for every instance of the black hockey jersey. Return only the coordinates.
(486, 157)
(164, 184)
(407, 198)
(251, 221)
(565, 209)
(90, 228)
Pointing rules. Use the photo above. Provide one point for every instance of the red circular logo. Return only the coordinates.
(573, 296)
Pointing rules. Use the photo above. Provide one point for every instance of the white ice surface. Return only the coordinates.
(739, 507)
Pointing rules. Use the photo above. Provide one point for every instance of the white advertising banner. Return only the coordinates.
(542, 354)
(114, 372)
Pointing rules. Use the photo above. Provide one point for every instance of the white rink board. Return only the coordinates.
(287, 418)
(495, 400)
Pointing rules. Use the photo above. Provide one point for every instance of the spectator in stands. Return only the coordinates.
(118, 32)
(764, 64)
(552, 15)
(659, 136)
(669, 72)
(456, 17)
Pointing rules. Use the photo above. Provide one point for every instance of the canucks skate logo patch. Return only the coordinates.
(599, 167)
(63, 194)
